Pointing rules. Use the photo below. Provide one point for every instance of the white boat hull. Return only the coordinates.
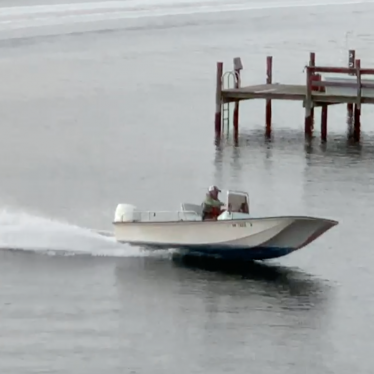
(247, 238)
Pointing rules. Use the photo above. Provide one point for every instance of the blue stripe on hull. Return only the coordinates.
(261, 253)
(225, 252)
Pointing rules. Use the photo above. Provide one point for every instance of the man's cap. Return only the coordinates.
(214, 188)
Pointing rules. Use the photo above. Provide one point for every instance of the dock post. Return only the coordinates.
(269, 80)
(308, 102)
(237, 67)
(357, 107)
(312, 62)
(324, 111)
(351, 64)
(218, 114)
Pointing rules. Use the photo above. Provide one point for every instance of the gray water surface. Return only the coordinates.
(114, 102)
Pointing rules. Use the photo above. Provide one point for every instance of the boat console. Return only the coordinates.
(236, 206)
(237, 201)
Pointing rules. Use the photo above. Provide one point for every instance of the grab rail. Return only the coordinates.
(169, 216)
(173, 214)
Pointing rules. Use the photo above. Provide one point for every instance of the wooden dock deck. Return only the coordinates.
(316, 92)
(289, 92)
(274, 91)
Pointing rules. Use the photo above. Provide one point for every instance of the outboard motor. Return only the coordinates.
(127, 213)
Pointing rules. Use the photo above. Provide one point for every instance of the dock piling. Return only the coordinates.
(218, 114)
(357, 107)
(324, 111)
(308, 102)
(237, 67)
(269, 80)
(351, 64)
(312, 62)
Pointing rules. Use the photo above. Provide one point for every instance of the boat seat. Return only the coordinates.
(187, 207)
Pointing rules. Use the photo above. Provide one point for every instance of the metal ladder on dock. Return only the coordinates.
(229, 81)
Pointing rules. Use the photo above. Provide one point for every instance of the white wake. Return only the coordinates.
(25, 232)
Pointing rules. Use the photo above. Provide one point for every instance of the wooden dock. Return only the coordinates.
(316, 92)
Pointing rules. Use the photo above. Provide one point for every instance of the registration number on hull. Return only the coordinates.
(241, 224)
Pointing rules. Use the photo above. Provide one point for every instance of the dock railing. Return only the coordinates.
(316, 93)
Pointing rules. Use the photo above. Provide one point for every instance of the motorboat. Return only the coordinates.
(234, 234)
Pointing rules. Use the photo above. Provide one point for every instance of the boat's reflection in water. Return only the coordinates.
(241, 301)
(250, 269)
(268, 275)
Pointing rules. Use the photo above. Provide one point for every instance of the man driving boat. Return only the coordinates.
(212, 205)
